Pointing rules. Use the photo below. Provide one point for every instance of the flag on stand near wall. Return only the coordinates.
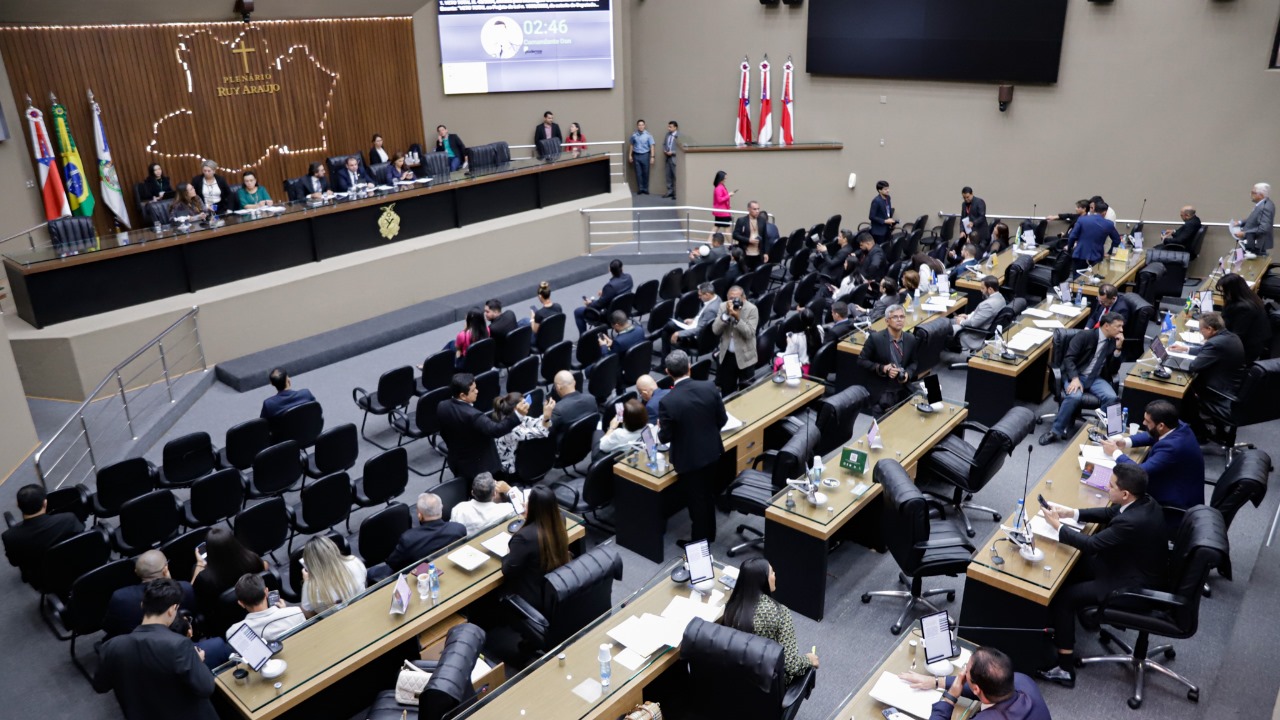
(72, 169)
(766, 106)
(55, 198)
(742, 131)
(788, 135)
(111, 194)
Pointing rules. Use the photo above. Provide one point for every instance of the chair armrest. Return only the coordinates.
(768, 455)
(967, 461)
(1152, 598)
(527, 613)
(972, 425)
(800, 689)
(570, 488)
(932, 544)
(357, 393)
(9, 520)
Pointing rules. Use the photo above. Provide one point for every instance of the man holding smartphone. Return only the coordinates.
(988, 678)
(268, 620)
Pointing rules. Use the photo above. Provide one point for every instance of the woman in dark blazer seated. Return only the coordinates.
(377, 153)
(396, 170)
(538, 547)
(187, 203)
(1245, 315)
(213, 188)
(157, 185)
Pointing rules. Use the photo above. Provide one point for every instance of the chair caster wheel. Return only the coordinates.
(971, 532)
(1134, 703)
(995, 517)
(866, 599)
(951, 596)
(1193, 695)
(895, 629)
(731, 553)
(1170, 654)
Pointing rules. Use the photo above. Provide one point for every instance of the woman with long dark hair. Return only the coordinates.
(538, 547)
(576, 142)
(751, 608)
(157, 185)
(224, 562)
(1245, 315)
(474, 330)
(187, 203)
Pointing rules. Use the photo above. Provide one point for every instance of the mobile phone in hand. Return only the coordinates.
(273, 597)
(200, 549)
(1043, 503)
(617, 409)
(533, 308)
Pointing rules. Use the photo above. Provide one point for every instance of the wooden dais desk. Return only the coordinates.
(859, 705)
(1140, 386)
(851, 347)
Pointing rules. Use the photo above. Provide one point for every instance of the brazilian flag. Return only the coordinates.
(72, 168)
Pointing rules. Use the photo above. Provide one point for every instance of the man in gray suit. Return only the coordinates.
(981, 317)
(681, 337)
(1256, 229)
(735, 325)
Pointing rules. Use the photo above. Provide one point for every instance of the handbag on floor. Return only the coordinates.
(645, 711)
(410, 683)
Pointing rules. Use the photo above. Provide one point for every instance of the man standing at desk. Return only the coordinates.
(736, 328)
(1088, 366)
(889, 359)
(973, 217)
(881, 215)
(1174, 464)
(689, 420)
(988, 678)
(640, 155)
(1088, 235)
(1256, 229)
(546, 130)
(1130, 551)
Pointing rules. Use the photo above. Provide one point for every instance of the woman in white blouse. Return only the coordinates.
(626, 429)
(328, 577)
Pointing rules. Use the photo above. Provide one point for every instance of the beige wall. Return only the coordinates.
(17, 433)
(1170, 101)
(20, 206)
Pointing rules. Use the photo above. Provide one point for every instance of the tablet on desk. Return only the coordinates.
(250, 646)
(698, 556)
(939, 643)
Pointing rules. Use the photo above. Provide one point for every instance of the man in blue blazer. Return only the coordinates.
(1088, 235)
(988, 678)
(1174, 464)
(286, 397)
(351, 175)
(619, 282)
(881, 217)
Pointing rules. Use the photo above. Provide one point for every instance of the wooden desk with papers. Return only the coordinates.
(972, 284)
(1113, 271)
(860, 705)
(1140, 386)
(851, 347)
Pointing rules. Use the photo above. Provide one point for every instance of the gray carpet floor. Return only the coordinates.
(1229, 656)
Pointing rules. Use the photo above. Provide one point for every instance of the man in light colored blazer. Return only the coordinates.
(736, 328)
(981, 317)
(1256, 229)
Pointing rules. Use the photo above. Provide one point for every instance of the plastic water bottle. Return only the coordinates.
(1124, 417)
(1017, 522)
(433, 582)
(157, 227)
(606, 664)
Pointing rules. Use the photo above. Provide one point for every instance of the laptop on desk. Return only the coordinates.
(1173, 360)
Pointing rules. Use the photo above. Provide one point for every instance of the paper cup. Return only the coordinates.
(1133, 429)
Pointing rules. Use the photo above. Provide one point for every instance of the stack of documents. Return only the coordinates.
(1065, 310)
(1095, 454)
(1048, 324)
(1193, 338)
(1028, 338)
(1041, 527)
(645, 634)
(891, 690)
(1037, 313)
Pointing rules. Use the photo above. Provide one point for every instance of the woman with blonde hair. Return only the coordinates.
(328, 577)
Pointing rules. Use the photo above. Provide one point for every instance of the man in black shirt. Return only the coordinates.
(124, 609)
(500, 321)
(26, 543)
(1186, 232)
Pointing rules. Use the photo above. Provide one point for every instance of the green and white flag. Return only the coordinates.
(111, 194)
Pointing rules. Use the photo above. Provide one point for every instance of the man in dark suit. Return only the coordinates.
(1174, 464)
(618, 283)
(888, 361)
(500, 321)
(650, 394)
(1186, 232)
(1130, 551)
(350, 176)
(286, 397)
(881, 215)
(124, 609)
(1089, 366)
(1109, 301)
(571, 407)
(841, 323)
(968, 259)
(1218, 368)
(1089, 234)
(431, 534)
(872, 265)
(316, 184)
(1256, 230)
(156, 673)
(988, 678)
(973, 213)
(829, 261)
(626, 335)
(452, 146)
(26, 543)
(689, 420)
(755, 235)
(469, 433)
(546, 130)
(714, 251)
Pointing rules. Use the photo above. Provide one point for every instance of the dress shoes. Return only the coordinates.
(1049, 437)
(1065, 678)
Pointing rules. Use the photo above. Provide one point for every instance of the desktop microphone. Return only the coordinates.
(1024, 538)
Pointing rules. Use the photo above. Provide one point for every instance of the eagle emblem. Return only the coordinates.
(389, 222)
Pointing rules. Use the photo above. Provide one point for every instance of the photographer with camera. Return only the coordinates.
(736, 328)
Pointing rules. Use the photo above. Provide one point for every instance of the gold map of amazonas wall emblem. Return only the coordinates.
(389, 222)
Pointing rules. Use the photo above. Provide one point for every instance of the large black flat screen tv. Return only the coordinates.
(976, 40)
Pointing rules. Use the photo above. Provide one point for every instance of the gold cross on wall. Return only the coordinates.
(241, 51)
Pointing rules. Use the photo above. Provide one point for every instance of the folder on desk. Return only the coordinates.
(1048, 324)
(1038, 313)
(891, 690)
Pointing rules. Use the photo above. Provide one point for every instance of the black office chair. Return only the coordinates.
(243, 443)
(934, 336)
(322, 505)
(301, 423)
(437, 370)
(587, 350)
(646, 297)
(575, 444)
(573, 595)
(962, 470)
(1004, 319)
(535, 458)
(550, 332)
(451, 493)
(1044, 278)
(620, 302)
(515, 346)
(146, 521)
(180, 552)
(264, 527)
(636, 361)
(922, 547)
(1175, 264)
(693, 277)
(121, 482)
(424, 422)
(746, 670)
(336, 450)
(1253, 403)
(687, 306)
(1244, 480)
(449, 691)
(671, 285)
(602, 378)
(63, 563)
(380, 532)
(1017, 278)
(385, 478)
(186, 458)
(1150, 279)
(753, 489)
(71, 234)
(488, 386)
(395, 388)
(1141, 313)
(592, 494)
(86, 603)
(702, 368)
(292, 589)
(481, 356)
(214, 498)
(275, 471)
(1057, 383)
(556, 358)
(1171, 610)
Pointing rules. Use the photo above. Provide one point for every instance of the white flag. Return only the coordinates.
(111, 194)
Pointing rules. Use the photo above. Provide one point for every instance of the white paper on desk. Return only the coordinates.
(1065, 310)
(891, 690)
(1041, 527)
(1095, 453)
(1193, 324)
(1020, 251)
(1027, 338)
(499, 544)
(629, 659)
(589, 690)
(1051, 324)
(930, 306)
(341, 194)
(1193, 338)
(731, 424)
(637, 634)
(242, 212)
(1037, 313)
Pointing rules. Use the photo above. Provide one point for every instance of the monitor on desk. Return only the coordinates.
(1115, 419)
(1158, 349)
(939, 643)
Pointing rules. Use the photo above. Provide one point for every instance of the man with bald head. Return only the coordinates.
(432, 533)
(124, 609)
(571, 407)
(650, 394)
(1186, 232)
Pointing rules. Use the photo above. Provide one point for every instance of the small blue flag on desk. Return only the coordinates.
(1167, 325)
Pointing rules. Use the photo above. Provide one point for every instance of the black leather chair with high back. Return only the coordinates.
(74, 499)
(702, 368)
(1244, 481)
(449, 691)
(573, 595)
(831, 228)
(275, 471)
(576, 443)
(264, 527)
(693, 277)
(86, 603)
(550, 332)
(437, 371)
(181, 550)
(395, 388)
(435, 165)
(1141, 313)
(301, 423)
(556, 358)
(655, 327)
(336, 449)
(380, 532)
(186, 458)
(423, 422)
(322, 505)
(747, 671)
(646, 296)
(1044, 278)
(451, 492)
(488, 387)
(687, 305)
(385, 478)
(587, 350)
(71, 234)
(1254, 402)
(1150, 280)
(146, 521)
(922, 546)
(637, 361)
(243, 443)
(672, 284)
(753, 489)
(956, 471)
(934, 335)
(516, 346)
(120, 482)
(295, 189)
(214, 498)
(481, 356)
(602, 378)
(1057, 384)
(1017, 278)
(592, 494)
(63, 563)
(1175, 264)
(535, 458)
(1171, 610)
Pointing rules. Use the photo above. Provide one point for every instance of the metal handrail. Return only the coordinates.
(681, 233)
(26, 232)
(78, 417)
(942, 213)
